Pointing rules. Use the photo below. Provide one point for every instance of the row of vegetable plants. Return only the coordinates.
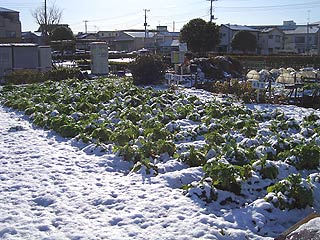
(235, 145)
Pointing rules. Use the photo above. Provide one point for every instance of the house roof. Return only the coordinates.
(86, 36)
(7, 10)
(140, 34)
(18, 45)
(311, 29)
(270, 29)
(236, 27)
(173, 43)
(267, 30)
(169, 34)
(130, 36)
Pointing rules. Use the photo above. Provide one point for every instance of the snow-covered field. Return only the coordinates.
(56, 188)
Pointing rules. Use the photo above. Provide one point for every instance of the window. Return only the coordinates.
(10, 34)
(277, 38)
(1, 21)
(270, 36)
(300, 39)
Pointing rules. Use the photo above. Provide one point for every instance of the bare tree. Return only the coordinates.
(47, 17)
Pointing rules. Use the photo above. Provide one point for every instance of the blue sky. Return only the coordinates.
(125, 14)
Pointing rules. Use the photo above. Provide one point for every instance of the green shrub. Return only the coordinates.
(32, 76)
(194, 158)
(102, 134)
(147, 166)
(214, 138)
(129, 153)
(290, 193)
(266, 168)
(24, 77)
(306, 156)
(226, 176)
(147, 69)
(62, 73)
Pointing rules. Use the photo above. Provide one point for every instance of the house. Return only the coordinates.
(166, 41)
(10, 26)
(276, 39)
(32, 37)
(303, 39)
(271, 41)
(228, 31)
(108, 37)
(83, 40)
(129, 41)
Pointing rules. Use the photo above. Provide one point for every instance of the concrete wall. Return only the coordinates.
(24, 56)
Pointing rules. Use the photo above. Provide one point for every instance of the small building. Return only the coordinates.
(10, 26)
(132, 41)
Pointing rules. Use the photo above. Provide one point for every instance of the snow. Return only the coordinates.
(56, 188)
(309, 230)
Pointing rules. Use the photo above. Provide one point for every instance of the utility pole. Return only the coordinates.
(211, 10)
(45, 18)
(85, 26)
(145, 25)
(308, 47)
